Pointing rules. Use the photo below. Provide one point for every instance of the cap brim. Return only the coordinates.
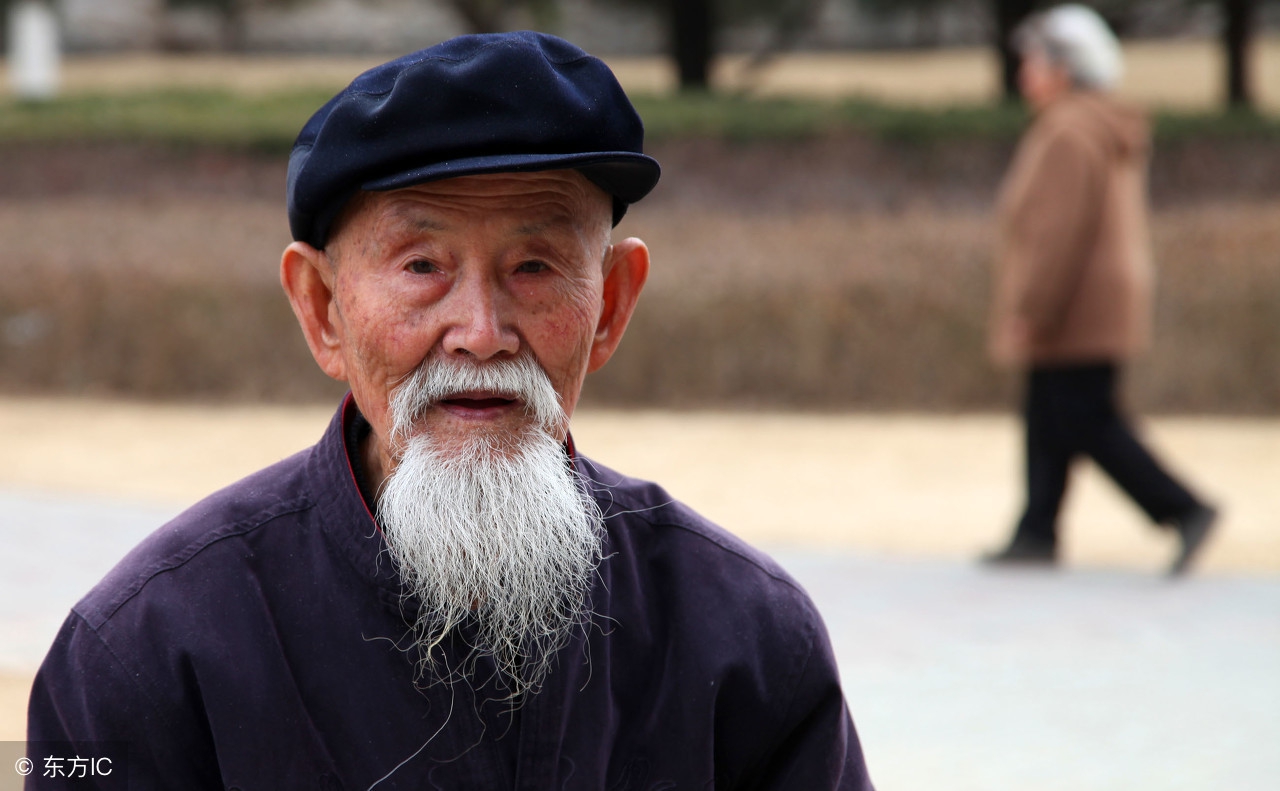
(623, 174)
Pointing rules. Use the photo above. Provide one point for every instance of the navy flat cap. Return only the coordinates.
(500, 103)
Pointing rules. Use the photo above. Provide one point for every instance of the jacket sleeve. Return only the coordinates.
(85, 701)
(1056, 229)
(817, 748)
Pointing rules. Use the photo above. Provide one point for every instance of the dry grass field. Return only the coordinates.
(869, 291)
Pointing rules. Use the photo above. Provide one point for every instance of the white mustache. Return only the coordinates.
(439, 378)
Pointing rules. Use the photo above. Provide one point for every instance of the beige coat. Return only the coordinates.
(1073, 271)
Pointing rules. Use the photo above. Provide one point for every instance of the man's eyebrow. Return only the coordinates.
(534, 228)
(421, 223)
(415, 219)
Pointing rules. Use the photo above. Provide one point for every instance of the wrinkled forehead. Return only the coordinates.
(563, 199)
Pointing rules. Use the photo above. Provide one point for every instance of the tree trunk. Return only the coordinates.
(1009, 13)
(480, 16)
(692, 41)
(1238, 18)
(235, 25)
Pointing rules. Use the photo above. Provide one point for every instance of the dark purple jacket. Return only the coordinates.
(255, 642)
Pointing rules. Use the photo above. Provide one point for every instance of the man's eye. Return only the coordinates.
(421, 267)
(530, 267)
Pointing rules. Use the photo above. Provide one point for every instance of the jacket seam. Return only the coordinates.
(783, 578)
(186, 554)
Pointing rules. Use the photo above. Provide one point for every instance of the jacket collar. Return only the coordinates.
(341, 510)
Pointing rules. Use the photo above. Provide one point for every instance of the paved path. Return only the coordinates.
(56, 548)
(963, 678)
(958, 678)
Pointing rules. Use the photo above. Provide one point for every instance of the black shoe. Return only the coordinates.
(1193, 528)
(1023, 553)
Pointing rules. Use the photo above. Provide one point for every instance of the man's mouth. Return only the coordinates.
(479, 404)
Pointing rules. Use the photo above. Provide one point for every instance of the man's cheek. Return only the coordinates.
(393, 339)
(565, 322)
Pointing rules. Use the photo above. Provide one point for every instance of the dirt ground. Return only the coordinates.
(14, 690)
(1181, 74)
(905, 484)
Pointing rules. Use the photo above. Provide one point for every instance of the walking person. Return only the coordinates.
(1074, 282)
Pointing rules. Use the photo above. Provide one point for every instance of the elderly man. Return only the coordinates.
(1073, 295)
(443, 593)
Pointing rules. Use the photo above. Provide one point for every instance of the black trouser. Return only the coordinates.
(1071, 411)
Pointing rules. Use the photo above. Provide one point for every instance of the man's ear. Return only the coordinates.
(626, 268)
(308, 279)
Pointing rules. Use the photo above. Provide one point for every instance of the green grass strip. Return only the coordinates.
(739, 118)
(185, 117)
(270, 122)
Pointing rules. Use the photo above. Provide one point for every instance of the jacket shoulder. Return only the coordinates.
(645, 518)
(236, 510)
(1097, 124)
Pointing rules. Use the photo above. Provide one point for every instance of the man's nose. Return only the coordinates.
(479, 320)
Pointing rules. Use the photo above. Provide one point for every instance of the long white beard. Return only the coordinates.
(492, 528)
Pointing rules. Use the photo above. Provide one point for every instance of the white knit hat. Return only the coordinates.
(1076, 38)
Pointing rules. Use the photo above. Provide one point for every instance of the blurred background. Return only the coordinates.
(815, 319)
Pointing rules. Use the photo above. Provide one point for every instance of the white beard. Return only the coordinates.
(493, 528)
